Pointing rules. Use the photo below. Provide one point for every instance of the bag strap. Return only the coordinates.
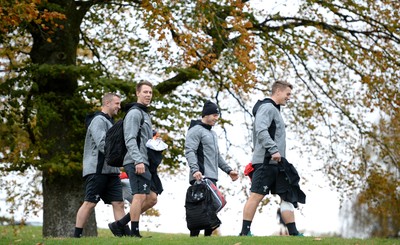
(138, 138)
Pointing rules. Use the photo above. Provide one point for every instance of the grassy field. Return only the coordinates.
(33, 235)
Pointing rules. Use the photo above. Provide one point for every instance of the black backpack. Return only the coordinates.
(200, 213)
(115, 148)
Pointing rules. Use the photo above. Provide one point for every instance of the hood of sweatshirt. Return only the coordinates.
(199, 122)
(128, 106)
(266, 100)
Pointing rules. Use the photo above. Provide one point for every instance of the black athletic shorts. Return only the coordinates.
(269, 178)
(106, 187)
(140, 183)
(156, 187)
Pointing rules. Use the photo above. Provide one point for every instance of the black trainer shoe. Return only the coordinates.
(136, 235)
(248, 234)
(127, 231)
(116, 230)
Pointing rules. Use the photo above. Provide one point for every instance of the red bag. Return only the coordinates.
(248, 170)
(218, 199)
(123, 175)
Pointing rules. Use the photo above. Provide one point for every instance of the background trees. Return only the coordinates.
(59, 57)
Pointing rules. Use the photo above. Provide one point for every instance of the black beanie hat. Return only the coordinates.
(209, 108)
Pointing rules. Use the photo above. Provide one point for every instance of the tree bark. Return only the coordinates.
(62, 197)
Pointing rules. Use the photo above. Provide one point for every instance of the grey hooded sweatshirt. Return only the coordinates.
(132, 122)
(267, 114)
(202, 152)
(93, 151)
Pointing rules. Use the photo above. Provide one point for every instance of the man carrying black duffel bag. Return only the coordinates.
(204, 159)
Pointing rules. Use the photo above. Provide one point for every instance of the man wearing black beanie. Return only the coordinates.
(209, 108)
(202, 152)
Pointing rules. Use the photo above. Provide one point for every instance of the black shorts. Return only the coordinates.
(156, 187)
(140, 183)
(269, 178)
(106, 187)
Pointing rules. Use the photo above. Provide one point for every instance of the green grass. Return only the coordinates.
(33, 235)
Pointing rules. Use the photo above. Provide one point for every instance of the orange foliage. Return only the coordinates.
(14, 13)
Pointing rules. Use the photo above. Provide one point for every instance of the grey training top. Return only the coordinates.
(131, 128)
(262, 141)
(202, 152)
(94, 144)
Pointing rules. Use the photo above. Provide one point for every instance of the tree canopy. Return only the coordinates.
(59, 57)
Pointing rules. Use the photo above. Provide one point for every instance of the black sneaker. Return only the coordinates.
(248, 234)
(127, 231)
(116, 230)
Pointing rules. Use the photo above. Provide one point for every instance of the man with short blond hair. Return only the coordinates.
(269, 139)
(101, 181)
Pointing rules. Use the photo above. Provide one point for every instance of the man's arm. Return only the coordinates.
(222, 164)
(98, 129)
(192, 143)
(131, 128)
(226, 168)
(264, 118)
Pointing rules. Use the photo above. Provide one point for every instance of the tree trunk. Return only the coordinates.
(62, 197)
(57, 107)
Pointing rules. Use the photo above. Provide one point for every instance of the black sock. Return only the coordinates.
(125, 220)
(292, 229)
(246, 227)
(135, 228)
(194, 232)
(78, 232)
